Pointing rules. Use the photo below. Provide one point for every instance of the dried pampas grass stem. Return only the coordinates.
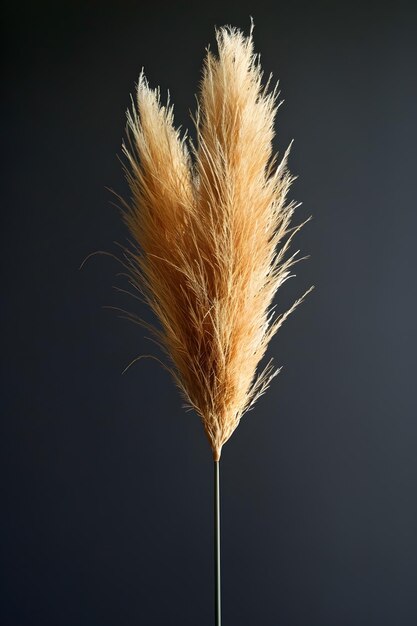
(211, 230)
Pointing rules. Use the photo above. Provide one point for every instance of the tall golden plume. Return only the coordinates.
(211, 231)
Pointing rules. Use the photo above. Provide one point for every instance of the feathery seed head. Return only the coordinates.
(211, 230)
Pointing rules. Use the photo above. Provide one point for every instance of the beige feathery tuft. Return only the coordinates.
(211, 231)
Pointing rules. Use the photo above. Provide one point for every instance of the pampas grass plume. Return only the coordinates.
(210, 226)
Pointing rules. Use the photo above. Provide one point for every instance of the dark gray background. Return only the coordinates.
(106, 501)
